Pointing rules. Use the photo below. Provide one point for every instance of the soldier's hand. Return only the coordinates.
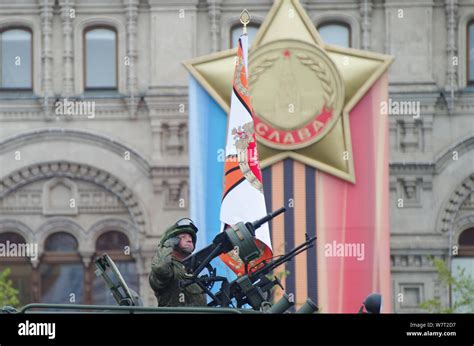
(172, 242)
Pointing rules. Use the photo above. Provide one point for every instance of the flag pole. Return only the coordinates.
(245, 19)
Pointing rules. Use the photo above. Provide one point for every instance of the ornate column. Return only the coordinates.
(46, 15)
(366, 7)
(215, 11)
(88, 279)
(131, 13)
(451, 85)
(67, 17)
(36, 283)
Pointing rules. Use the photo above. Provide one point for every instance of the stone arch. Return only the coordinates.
(103, 226)
(451, 207)
(10, 225)
(462, 147)
(77, 171)
(461, 225)
(79, 136)
(61, 224)
(10, 22)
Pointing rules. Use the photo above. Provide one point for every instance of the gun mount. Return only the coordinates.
(254, 287)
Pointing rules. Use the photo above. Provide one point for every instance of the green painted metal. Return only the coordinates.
(75, 308)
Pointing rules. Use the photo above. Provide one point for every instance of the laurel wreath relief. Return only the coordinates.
(329, 94)
(321, 72)
(267, 62)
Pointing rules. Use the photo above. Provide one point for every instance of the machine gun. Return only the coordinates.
(123, 295)
(252, 288)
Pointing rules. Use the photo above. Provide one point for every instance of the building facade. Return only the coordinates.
(93, 131)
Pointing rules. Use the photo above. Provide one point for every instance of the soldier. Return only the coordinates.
(177, 243)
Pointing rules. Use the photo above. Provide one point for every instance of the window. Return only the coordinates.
(100, 58)
(62, 277)
(470, 53)
(112, 241)
(20, 268)
(236, 31)
(412, 295)
(61, 270)
(15, 59)
(466, 243)
(335, 33)
(464, 261)
(117, 246)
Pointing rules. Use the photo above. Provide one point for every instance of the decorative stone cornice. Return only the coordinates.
(415, 262)
(409, 3)
(440, 162)
(464, 104)
(72, 170)
(331, 5)
(41, 135)
(112, 107)
(172, 4)
(238, 5)
(166, 91)
(170, 171)
(168, 175)
(401, 168)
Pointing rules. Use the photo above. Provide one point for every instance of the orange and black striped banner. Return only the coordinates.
(292, 184)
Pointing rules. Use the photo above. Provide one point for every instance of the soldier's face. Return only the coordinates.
(186, 243)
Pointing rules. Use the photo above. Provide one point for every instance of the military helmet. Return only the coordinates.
(184, 225)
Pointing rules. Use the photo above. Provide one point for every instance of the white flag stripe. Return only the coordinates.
(246, 204)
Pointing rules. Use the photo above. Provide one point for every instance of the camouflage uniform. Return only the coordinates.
(166, 272)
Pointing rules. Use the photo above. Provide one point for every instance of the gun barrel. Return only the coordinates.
(285, 258)
(258, 223)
